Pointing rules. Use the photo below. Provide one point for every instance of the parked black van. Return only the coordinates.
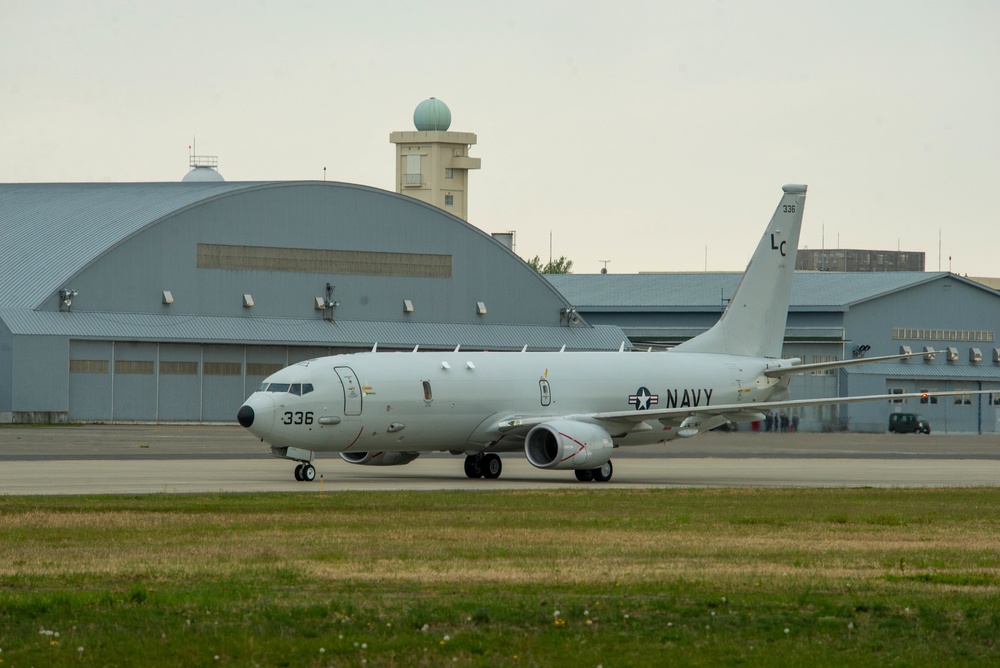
(908, 423)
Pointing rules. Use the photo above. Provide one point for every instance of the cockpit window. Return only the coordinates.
(297, 389)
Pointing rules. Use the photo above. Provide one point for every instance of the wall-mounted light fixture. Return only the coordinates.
(407, 306)
(247, 300)
(859, 351)
(328, 304)
(481, 308)
(168, 297)
(569, 315)
(66, 296)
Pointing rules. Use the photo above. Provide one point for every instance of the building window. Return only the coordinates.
(411, 170)
(897, 390)
(824, 358)
(963, 399)
(911, 333)
(449, 200)
(928, 400)
(449, 173)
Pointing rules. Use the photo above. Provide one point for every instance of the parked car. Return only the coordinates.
(908, 423)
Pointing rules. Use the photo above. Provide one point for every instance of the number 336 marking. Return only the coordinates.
(788, 208)
(297, 418)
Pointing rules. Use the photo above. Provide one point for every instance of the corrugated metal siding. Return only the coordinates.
(709, 290)
(48, 232)
(209, 329)
(937, 369)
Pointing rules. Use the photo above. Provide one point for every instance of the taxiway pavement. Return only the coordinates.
(149, 459)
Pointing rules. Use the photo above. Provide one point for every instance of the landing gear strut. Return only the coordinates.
(483, 466)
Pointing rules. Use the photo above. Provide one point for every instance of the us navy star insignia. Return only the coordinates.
(642, 399)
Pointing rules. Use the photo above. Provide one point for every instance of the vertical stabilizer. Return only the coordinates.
(754, 322)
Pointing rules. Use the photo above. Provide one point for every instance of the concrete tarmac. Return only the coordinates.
(149, 459)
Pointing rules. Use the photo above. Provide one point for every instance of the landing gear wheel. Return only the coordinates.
(298, 472)
(584, 475)
(491, 466)
(308, 472)
(472, 466)
(603, 473)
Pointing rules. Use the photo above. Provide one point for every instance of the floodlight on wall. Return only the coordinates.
(905, 350)
(975, 355)
(328, 304)
(569, 315)
(929, 354)
(859, 351)
(247, 300)
(168, 297)
(481, 308)
(66, 296)
(407, 306)
(996, 355)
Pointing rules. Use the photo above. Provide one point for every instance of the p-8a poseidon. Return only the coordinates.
(564, 410)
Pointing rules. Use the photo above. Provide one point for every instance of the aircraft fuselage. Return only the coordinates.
(455, 401)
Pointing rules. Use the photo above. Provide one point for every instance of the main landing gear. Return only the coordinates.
(305, 472)
(483, 466)
(600, 474)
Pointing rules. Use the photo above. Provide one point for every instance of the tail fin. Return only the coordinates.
(754, 322)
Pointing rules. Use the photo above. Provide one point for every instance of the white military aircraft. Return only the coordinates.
(566, 411)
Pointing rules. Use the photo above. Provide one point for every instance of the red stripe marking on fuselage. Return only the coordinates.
(355, 439)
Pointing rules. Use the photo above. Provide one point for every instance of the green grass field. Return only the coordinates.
(568, 578)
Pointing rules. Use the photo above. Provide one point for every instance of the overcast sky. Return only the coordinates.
(654, 135)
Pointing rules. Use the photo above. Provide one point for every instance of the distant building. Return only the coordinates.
(432, 164)
(834, 316)
(851, 259)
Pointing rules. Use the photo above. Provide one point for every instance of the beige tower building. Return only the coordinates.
(432, 164)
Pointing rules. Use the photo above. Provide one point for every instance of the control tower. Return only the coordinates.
(432, 164)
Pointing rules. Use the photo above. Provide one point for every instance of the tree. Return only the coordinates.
(560, 266)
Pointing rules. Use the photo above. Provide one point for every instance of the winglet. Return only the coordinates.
(754, 322)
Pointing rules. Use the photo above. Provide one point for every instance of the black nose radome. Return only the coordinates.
(245, 416)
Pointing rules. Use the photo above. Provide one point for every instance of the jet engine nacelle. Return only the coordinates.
(379, 458)
(567, 444)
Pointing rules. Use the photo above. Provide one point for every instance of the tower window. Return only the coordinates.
(449, 200)
(449, 173)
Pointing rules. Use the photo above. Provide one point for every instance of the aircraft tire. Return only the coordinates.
(491, 466)
(298, 472)
(584, 475)
(472, 467)
(308, 472)
(603, 473)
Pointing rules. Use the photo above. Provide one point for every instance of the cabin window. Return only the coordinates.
(262, 388)
(278, 387)
(307, 388)
(427, 391)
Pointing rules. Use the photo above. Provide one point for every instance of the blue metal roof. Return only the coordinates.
(922, 370)
(698, 291)
(50, 231)
(342, 333)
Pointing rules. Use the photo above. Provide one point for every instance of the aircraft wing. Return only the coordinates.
(780, 371)
(742, 412)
